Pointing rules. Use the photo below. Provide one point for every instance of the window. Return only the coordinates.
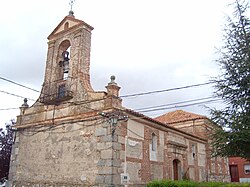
(193, 151)
(66, 25)
(154, 142)
(247, 168)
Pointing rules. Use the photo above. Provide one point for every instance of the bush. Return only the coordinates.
(170, 183)
(186, 183)
(212, 184)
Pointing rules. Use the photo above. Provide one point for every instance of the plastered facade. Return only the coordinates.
(74, 136)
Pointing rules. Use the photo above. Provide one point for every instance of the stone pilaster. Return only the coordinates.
(14, 160)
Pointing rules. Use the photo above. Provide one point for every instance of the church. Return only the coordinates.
(75, 136)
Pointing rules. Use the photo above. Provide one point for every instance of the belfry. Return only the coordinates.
(68, 62)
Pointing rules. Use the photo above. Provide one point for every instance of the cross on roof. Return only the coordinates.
(71, 3)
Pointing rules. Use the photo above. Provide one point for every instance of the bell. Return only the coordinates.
(66, 66)
(65, 56)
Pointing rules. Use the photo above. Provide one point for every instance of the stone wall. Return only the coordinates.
(63, 154)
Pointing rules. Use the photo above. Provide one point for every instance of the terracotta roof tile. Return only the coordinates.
(142, 116)
(178, 116)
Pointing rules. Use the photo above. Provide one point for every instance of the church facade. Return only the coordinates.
(75, 136)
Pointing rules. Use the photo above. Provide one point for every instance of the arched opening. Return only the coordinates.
(176, 169)
(58, 89)
(63, 69)
(66, 25)
(64, 60)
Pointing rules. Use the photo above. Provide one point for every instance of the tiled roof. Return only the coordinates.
(154, 120)
(141, 116)
(178, 116)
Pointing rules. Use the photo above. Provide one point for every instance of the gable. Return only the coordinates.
(67, 23)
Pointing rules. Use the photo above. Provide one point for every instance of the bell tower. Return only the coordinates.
(68, 61)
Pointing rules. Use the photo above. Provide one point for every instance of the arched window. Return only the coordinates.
(66, 25)
(64, 59)
(154, 142)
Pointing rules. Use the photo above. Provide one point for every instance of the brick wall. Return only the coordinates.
(240, 163)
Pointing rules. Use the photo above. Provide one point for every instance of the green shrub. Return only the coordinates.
(170, 183)
(187, 183)
(211, 184)
(161, 183)
(238, 185)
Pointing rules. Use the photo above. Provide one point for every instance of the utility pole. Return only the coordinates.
(113, 118)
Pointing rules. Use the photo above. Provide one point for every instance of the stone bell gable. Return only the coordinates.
(68, 62)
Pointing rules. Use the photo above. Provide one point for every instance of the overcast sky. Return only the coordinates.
(147, 44)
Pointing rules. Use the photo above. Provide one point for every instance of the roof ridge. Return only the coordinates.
(179, 116)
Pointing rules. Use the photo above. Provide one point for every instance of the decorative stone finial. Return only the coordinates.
(113, 88)
(24, 106)
(71, 13)
(112, 78)
(113, 99)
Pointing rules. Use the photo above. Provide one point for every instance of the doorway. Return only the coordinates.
(176, 169)
(234, 173)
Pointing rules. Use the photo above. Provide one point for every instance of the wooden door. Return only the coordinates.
(175, 169)
(234, 173)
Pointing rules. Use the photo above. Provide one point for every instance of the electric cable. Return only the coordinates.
(166, 90)
(16, 95)
(13, 82)
(57, 126)
(180, 106)
(181, 102)
(8, 108)
(125, 96)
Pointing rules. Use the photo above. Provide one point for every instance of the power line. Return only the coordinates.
(16, 95)
(13, 82)
(166, 90)
(180, 106)
(8, 108)
(176, 103)
(52, 127)
(146, 109)
(123, 96)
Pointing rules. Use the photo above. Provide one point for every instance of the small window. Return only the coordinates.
(66, 25)
(193, 151)
(247, 168)
(154, 142)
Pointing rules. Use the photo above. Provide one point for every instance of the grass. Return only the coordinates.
(187, 183)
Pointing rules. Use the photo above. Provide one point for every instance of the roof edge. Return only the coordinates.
(72, 19)
(160, 123)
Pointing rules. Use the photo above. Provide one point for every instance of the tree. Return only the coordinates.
(233, 86)
(6, 141)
